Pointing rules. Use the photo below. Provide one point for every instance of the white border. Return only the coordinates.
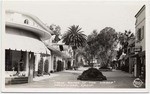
(77, 89)
(3, 49)
(147, 45)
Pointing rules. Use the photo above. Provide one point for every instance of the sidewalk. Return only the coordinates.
(113, 73)
(45, 77)
(117, 74)
(79, 70)
(68, 78)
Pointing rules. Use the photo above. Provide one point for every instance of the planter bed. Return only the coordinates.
(92, 74)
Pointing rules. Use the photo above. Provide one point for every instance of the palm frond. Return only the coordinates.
(74, 36)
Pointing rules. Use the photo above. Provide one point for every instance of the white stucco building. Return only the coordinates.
(24, 47)
(140, 43)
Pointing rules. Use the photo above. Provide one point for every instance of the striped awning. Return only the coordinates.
(24, 43)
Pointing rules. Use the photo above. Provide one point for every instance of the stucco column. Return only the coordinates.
(31, 61)
(27, 63)
(44, 59)
(37, 60)
(52, 63)
(135, 70)
(49, 64)
(135, 67)
(55, 69)
(64, 67)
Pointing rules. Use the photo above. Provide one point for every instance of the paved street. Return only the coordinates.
(68, 79)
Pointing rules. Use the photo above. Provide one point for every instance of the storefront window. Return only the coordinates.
(8, 60)
(14, 60)
(139, 34)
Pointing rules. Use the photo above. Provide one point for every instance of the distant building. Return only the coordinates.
(67, 54)
(61, 56)
(140, 43)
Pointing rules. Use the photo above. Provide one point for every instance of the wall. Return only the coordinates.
(140, 21)
(19, 18)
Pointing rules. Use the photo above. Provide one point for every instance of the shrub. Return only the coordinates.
(46, 66)
(92, 74)
(40, 67)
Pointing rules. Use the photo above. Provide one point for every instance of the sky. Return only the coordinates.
(89, 15)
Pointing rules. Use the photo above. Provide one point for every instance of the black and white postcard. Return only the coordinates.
(75, 46)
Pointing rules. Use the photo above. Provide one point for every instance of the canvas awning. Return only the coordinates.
(134, 55)
(57, 52)
(54, 51)
(24, 43)
(140, 54)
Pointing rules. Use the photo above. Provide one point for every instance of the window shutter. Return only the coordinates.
(137, 35)
(61, 47)
(142, 32)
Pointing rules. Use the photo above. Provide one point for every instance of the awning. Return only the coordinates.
(17, 42)
(57, 52)
(54, 51)
(134, 55)
(140, 54)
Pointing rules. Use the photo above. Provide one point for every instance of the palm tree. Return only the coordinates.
(75, 38)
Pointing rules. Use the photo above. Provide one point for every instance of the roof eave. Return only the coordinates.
(143, 7)
(36, 19)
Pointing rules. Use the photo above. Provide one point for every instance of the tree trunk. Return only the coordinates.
(89, 62)
(74, 58)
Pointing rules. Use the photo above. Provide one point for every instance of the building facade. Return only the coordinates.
(24, 47)
(140, 43)
(64, 55)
